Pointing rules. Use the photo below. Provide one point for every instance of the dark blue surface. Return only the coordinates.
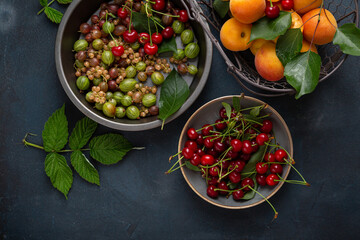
(136, 200)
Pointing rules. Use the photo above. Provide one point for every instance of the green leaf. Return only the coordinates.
(221, 7)
(255, 111)
(53, 14)
(84, 168)
(44, 3)
(64, 1)
(173, 95)
(289, 45)
(303, 72)
(248, 117)
(348, 38)
(82, 133)
(269, 29)
(55, 133)
(236, 104)
(251, 164)
(59, 172)
(232, 185)
(109, 148)
(227, 108)
(192, 167)
(251, 194)
(168, 46)
(140, 22)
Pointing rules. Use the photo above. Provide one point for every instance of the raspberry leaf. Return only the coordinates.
(64, 1)
(53, 14)
(84, 167)
(82, 133)
(348, 38)
(44, 3)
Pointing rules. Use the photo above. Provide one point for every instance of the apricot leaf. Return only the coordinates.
(221, 7)
(348, 38)
(289, 45)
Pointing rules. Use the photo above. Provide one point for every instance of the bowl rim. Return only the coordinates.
(277, 187)
(107, 121)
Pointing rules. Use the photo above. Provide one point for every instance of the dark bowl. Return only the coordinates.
(80, 11)
(209, 112)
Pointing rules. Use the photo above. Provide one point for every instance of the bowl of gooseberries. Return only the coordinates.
(105, 63)
(235, 152)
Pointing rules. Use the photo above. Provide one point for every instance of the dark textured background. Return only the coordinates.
(136, 200)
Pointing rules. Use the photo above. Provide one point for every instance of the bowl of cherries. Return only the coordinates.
(235, 152)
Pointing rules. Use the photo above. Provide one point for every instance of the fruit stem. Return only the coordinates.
(169, 171)
(45, 7)
(276, 213)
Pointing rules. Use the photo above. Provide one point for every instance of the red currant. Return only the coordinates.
(236, 145)
(262, 138)
(206, 129)
(187, 153)
(269, 157)
(261, 179)
(287, 4)
(195, 160)
(267, 126)
(167, 33)
(222, 185)
(144, 38)
(280, 155)
(261, 167)
(272, 12)
(192, 134)
(122, 13)
(130, 36)
(235, 177)
(220, 125)
(207, 159)
(238, 195)
(159, 5)
(150, 49)
(183, 16)
(276, 168)
(191, 144)
(272, 180)
(247, 182)
(156, 38)
(117, 51)
(246, 147)
(211, 191)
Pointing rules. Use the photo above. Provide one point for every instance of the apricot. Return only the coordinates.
(235, 35)
(326, 29)
(306, 47)
(296, 21)
(268, 64)
(247, 11)
(304, 6)
(257, 44)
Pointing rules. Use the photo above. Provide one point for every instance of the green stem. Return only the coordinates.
(276, 213)
(45, 7)
(26, 143)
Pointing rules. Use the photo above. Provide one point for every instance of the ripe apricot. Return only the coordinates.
(268, 64)
(326, 29)
(306, 46)
(247, 11)
(296, 21)
(235, 35)
(304, 6)
(257, 44)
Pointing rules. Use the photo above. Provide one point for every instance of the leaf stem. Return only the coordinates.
(45, 7)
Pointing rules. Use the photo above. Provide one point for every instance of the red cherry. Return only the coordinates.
(236, 145)
(187, 153)
(159, 5)
(220, 125)
(219, 146)
(261, 179)
(212, 152)
(214, 171)
(267, 126)
(122, 13)
(150, 49)
(272, 180)
(192, 134)
(231, 154)
(272, 12)
(206, 129)
(245, 157)
(167, 33)
(247, 182)
(208, 142)
(235, 177)
(255, 146)
(238, 195)
(269, 157)
(195, 160)
(156, 38)
(200, 152)
(261, 167)
(262, 138)
(191, 144)
(280, 155)
(200, 140)
(246, 147)
(183, 16)
(222, 113)
(222, 185)
(207, 159)
(276, 168)
(240, 165)
(144, 38)
(287, 4)
(130, 36)
(211, 191)
(213, 181)
(117, 51)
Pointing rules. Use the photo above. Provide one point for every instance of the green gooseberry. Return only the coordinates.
(99, 106)
(128, 84)
(80, 45)
(98, 44)
(109, 109)
(135, 46)
(141, 66)
(112, 101)
(107, 57)
(179, 54)
(149, 100)
(132, 112)
(108, 27)
(109, 95)
(157, 78)
(79, 64)
(192, 50)
(192, 69)
(82, 83)
(130, 72)
(118, 96)
(178, 26)
(120, 112)
(97, 81)
(126, 100)
(187, 36)
(87, 97)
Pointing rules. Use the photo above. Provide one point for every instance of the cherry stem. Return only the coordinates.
(130, 19)
(173, 170)
(45, 7)
(271, 4)
(276, 213)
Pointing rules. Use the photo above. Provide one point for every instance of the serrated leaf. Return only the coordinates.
(236, 104)
(303, 72)
(348, 38)
(84, 167)
(251, 164)
(109, 148)
(64, 1)
(269, 29)
(289, 45)
(82, 133)
(221, 7)
(168, 46)
(251, 194)
(55, 133)
(44, 3)
(53, 14)
(227, 109)
(192, 167)
(173, 95)
(59, 172)
(140, 22)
